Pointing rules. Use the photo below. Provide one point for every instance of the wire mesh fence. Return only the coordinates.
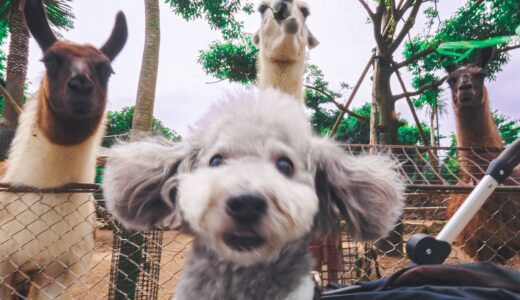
(59, 243)
(438, 180)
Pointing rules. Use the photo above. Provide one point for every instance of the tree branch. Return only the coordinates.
(9, 100)
(393, 10)
(509, 48)
(338, 105)
(377, 25)
(415, 57)
(421, 89)
(367, 8)
(419, 126)
(353, 94)
(404, 6)
(216, 81)
(408, 24)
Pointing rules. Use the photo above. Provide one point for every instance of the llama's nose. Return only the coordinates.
(246, 209)
(80, 84)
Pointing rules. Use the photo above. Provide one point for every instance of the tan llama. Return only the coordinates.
(282, 39)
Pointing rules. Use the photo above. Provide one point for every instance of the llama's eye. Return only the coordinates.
(452, 81)
(262, 8)
(104, 71)
(216, 160)
(480, 76)
(52, 63)
(305, 12)
(285, 166)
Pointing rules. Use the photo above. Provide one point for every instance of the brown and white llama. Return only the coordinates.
(493, 233)
(47, 239)
(282, 40)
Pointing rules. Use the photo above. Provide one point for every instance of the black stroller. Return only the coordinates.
(427, 277)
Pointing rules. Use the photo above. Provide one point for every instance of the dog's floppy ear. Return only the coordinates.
(367, 191)
(134, 176)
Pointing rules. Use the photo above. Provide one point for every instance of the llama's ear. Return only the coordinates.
(312, 41)
(117, 39)
(134, 178)
(367, 191)
(38, 25)
(256, 38)
(450, 68)
(484, 56)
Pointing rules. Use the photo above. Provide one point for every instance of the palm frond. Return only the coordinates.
(59, 13)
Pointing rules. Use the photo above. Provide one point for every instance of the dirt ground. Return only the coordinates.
(95, 284)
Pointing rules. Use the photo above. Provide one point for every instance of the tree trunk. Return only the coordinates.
(133, 243)
(17, 61)
(382, 94)
(434, 153)
(388, 125)
(374, 123)
(432, 126)
(143, 113)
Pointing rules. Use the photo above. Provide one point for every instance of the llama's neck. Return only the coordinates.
(476, 128)
(35, 161)
(286, 76)
(208, 277)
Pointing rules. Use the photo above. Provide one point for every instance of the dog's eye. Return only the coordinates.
(285, 166)
(216, 160)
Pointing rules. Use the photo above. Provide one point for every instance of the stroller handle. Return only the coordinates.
(505, 163)
(423, 249)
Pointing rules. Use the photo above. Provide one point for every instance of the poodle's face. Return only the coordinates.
(250, 180)
(283, 32)
(251, 189)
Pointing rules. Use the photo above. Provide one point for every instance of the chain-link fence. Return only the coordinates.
(438, 180)
(57, 241)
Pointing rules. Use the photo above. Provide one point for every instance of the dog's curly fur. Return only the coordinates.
(265, 150)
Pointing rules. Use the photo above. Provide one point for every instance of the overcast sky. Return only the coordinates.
(183, 94)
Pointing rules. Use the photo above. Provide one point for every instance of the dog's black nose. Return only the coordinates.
(246, 209)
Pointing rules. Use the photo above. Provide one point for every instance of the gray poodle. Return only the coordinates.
(253, 185)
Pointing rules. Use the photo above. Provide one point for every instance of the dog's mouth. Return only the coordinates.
(243, 240)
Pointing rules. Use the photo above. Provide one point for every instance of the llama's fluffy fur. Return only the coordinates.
(282, 40)
(153, 182)
(51, 233)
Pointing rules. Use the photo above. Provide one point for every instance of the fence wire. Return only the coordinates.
(48, 240)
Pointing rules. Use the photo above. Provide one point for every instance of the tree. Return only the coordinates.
(509, 129)
(220, 15)
(476, 20)
(392, 21)
(120, 122)
(231, 60)
(60, 16)
(4, 29)
(149, 67)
